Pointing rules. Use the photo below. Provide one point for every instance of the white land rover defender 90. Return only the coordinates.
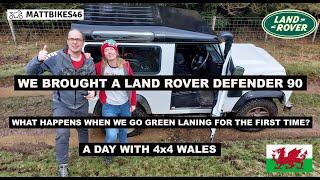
(173, 41)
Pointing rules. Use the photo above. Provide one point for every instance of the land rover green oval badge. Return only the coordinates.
(289, 24)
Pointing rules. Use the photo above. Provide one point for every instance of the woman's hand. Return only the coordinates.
(87, 55)
(132, 108)
(90, 95)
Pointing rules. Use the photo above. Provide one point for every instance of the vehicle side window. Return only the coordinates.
(143, 59)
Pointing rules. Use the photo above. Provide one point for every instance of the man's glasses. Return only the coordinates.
(75, 39)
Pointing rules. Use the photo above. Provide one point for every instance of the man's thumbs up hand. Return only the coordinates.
(43, 53)
(45, 48)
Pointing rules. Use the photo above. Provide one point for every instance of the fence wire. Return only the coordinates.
(32, 35)
(247, 28)
(243, 29)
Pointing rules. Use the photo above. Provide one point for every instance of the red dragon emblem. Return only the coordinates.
(293, 157)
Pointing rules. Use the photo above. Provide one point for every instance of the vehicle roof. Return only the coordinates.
(165, 23)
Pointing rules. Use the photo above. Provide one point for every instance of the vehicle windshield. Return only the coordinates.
(215, 53)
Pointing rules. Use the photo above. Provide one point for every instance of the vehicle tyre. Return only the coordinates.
(257, 108)
(98, 113)
(138, 112)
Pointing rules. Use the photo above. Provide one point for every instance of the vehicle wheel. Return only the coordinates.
(98, 113)
(138, 112)
(98, 109)
(257, 108)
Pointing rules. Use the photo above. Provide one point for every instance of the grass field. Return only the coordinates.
(239, 158)
(299, 57)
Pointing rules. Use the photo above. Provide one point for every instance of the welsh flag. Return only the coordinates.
(289, 158)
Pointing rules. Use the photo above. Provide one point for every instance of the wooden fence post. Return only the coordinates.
(214, 18)
(315, 32)
(12, 31)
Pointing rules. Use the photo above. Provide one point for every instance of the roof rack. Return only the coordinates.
(117, 14)
(143, 23)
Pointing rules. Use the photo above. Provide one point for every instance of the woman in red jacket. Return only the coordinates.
(119, 103)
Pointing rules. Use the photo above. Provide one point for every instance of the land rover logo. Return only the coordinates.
(289, 24)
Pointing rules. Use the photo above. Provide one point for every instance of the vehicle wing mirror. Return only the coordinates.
(238, 71)
(228, 39)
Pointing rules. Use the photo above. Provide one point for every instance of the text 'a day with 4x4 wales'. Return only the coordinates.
(159, 89)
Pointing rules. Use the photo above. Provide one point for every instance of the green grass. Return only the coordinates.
(299, 57)
(291, 50)
(23, 106)
(310, 69)
(239, 158)
(24, 102)
(306, 100)
(9, 70)
(17, 56)
(27, 50)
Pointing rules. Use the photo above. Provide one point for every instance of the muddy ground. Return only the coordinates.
(14, 59)
(30, 140)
